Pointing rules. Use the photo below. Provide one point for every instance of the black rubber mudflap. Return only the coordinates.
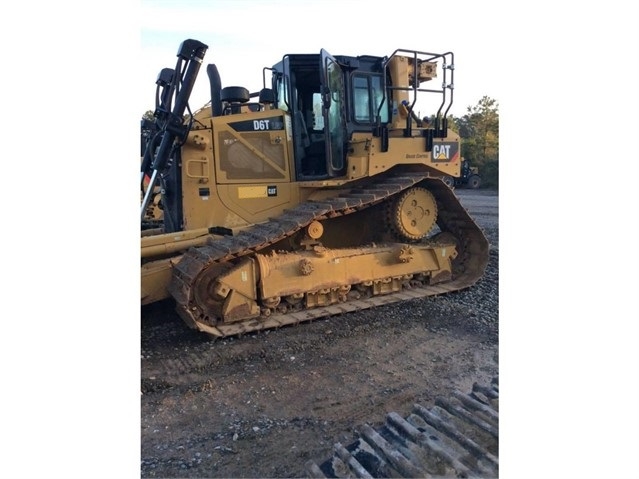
(457, 437)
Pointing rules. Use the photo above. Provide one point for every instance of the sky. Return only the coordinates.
(78, 76)
(244, 36)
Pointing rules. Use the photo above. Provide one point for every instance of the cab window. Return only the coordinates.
(282, 93)
(367, 97)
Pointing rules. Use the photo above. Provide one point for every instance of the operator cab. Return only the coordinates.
(317, 90)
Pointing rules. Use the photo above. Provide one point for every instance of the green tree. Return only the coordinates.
(452, 122)
(479, 131)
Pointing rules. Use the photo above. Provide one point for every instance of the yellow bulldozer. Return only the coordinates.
(320, 194)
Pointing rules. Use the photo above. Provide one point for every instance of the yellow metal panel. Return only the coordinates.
(156, 276)
(290, 273)
(244, 192)
(258, 202)
(241, 279)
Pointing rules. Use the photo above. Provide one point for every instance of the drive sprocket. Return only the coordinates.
(413, 214)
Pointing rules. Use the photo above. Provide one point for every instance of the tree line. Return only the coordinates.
(479, 132)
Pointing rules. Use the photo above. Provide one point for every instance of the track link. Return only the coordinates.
(458, 437)
(453, 218)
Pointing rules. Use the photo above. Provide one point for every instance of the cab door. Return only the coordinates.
(333, 111)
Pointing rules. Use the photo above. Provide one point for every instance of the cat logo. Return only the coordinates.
(441, 152)
(444, 152)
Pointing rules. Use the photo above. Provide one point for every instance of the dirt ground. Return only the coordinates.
(262, 405)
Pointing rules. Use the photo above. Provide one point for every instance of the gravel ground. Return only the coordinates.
(263, 404)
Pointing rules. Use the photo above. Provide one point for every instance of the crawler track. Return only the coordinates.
(458, 437)
(452, 217)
